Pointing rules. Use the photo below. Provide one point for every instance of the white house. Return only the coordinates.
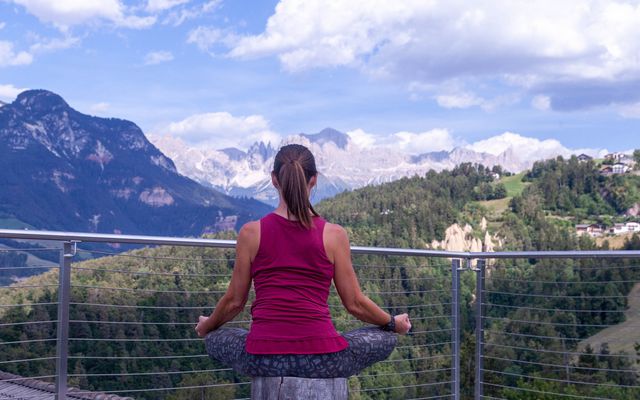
(620, 168)
(593, 230)
(619, 229)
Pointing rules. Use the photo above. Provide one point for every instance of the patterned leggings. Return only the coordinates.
(366, 346)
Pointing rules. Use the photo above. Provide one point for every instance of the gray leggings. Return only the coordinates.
(366, 346)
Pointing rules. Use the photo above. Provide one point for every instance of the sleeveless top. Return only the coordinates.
(291, 276)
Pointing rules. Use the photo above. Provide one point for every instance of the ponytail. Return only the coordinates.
(294, 167)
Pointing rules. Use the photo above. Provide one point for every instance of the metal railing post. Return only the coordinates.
(455, 328)
(64, 291)
(480, 276)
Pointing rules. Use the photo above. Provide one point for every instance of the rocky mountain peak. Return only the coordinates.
(329, 135)
(104, 171)
(266, 151)
(40, 101)
(234, 154)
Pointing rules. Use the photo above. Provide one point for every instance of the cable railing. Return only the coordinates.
(554, 324)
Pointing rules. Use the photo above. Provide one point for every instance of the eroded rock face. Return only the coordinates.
(458, 238)
(156, 197)
(461, 239)
(633, 211)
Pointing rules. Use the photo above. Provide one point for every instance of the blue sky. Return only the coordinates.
(219, 73)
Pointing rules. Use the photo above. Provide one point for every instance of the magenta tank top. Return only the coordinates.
(291, 276)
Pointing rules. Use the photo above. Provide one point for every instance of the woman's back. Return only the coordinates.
(292, 276)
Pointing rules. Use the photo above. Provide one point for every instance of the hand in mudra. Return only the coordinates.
(201, 330)
(403, 324)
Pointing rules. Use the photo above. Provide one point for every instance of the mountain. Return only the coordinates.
(64, 170)
(343, 165)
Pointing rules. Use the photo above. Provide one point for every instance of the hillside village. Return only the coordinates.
(613, 164)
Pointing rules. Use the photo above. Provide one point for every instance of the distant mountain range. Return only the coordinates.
(343, 165)
(64, 170)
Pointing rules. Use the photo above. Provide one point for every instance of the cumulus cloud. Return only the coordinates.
(157, 57)
(424, 142)
(221, 129)
(10, 57)
(527, 148)
(362, 139)
(66, 13)
(526, 44)
(9, 92)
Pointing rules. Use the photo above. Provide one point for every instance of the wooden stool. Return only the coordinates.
(292, 388)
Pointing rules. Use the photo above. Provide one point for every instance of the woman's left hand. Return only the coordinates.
(201, 328)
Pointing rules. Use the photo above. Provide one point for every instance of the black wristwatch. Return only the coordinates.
(391, 326)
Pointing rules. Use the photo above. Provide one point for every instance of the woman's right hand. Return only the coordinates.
(403, 324)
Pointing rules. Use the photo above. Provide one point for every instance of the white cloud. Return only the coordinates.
(2, 25)
(66, 13)
(157, 57)
(207, 37)
(9, 92)
(541, 102)
(221, 129)
(362, 139)
(9, 57)
(161, 5)
(515, 43)
(99, 108)
(459, 100)
(178, 17)
(525, 147)
(630, 110)
(424, 142)
(45, 45)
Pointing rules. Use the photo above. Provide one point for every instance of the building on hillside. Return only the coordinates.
(615, 169)
(615, 157)
(620, 168)
(17, 387)
(584, 158)
(593, 230)
(606, 170)
(628, 227)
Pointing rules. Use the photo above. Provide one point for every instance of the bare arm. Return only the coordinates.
(346, 282)
(235, 298)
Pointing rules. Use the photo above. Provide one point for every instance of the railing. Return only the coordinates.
(535, 334)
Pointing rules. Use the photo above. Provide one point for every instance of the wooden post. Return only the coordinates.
(292, 388)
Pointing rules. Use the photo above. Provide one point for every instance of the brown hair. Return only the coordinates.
(294, 167)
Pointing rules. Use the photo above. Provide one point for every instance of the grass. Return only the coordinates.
(621, 337)
(514, 184)
(495, 207)
(615, 242)
(13, 223)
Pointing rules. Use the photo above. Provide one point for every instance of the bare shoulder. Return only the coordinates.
(336, 240)
(250, 229)
(335, 232)
(249, 236)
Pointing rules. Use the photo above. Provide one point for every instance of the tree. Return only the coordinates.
(636, 158)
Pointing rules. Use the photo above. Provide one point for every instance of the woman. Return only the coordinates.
(292, 255)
